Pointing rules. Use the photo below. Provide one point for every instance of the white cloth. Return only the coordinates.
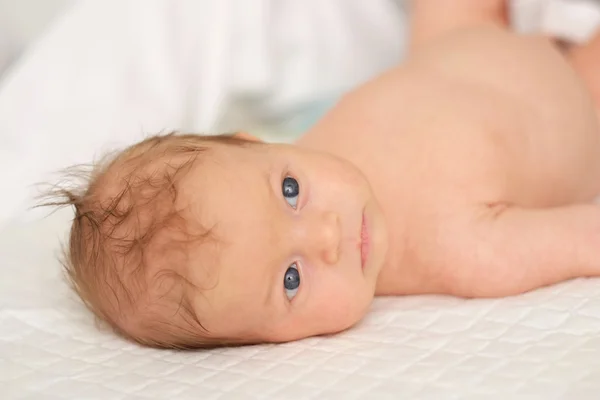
(571, 20)
(109, 72)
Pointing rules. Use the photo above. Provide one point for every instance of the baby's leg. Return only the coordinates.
(517, 250)
(434, 18)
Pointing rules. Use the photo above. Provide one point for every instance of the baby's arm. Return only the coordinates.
(433, 18)
(516, 250)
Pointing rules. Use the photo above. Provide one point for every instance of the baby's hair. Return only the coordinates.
(127, 252)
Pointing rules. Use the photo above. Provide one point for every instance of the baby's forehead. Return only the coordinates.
(233, 285)
(225, 176)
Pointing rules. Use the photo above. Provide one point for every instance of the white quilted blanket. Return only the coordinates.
(542, 345)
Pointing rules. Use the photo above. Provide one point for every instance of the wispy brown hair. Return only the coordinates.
(127, 251)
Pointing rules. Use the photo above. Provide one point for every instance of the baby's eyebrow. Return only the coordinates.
(270, 289)
(270, 269)
(267, 179)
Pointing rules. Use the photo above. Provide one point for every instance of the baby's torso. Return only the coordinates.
(477, 118)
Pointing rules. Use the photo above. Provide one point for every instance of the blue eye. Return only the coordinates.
(291, 281)
(290, 190)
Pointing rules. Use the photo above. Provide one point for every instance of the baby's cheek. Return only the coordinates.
(345, 308)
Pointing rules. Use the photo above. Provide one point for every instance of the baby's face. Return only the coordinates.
(300, 241)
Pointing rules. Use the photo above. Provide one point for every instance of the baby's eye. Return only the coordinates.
(291, 281)
(291, 190)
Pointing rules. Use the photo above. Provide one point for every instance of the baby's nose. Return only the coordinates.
(323, 237)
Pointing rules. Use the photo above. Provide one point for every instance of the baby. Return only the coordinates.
(470, 170)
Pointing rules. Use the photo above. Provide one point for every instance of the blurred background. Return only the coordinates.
(79, 78)
(21, 21)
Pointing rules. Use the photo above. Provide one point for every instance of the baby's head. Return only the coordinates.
(192, 241)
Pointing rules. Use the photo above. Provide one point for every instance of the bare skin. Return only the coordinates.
(496, 158)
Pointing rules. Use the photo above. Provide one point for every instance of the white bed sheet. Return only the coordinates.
(541, 345)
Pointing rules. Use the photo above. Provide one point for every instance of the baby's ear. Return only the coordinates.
(247, 136)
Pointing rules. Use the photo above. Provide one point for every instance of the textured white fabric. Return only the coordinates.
(542, 345)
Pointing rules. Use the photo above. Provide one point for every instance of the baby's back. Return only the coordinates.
(479, 117)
